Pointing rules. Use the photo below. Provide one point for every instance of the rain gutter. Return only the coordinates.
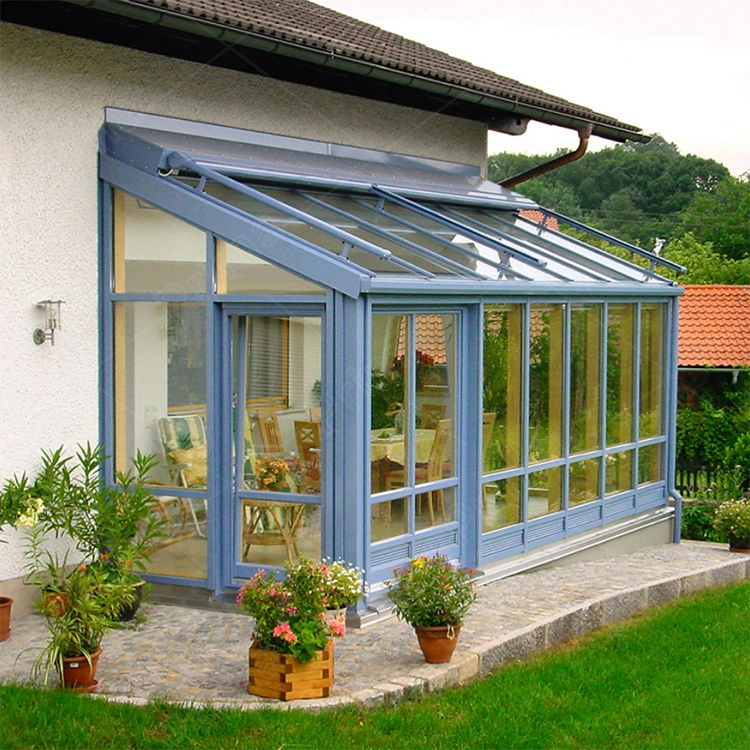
(245, 38)
(583, 143)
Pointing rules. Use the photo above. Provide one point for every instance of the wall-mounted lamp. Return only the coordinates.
(52, 318)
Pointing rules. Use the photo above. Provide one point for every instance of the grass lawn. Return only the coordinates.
(674, 677)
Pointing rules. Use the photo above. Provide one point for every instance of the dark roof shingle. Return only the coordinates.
(309, 25)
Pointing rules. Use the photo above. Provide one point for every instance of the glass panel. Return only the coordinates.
(273, 533)
(154, 251)
(584, 481)
(652, 367)
(241, 272)
(388, 519)
(585, 348)
(436, 507)
(435, 375)
(650, 464)
(545, 492)
(545, 382)
(619, 475)
(620, 376)
(388, 401)
(160, 409)
(501, 503)
(503, 356)
(277, 371)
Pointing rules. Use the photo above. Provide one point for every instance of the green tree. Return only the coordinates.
(721, 216)
(704, 265)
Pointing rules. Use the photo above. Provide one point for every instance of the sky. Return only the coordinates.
(680, 68)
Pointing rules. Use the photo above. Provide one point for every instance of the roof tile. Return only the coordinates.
(714, 326)
(311, 25)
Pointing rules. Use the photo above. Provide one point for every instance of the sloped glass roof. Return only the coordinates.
(377, 216)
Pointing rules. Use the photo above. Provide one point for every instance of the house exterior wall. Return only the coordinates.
(54, 90)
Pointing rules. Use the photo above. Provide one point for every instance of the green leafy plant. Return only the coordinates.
(344, 584)
(18, 504)
(111, 526)
(289, 614)
(733, 517)
(431, 591)
(91, 610)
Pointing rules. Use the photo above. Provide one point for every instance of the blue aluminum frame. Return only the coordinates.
(130, 162)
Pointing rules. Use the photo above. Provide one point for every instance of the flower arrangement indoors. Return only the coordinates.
(271, 473)
(433, 596)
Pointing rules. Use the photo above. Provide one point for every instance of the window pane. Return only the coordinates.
(388, 519)
(160, 409)
(154, 251)
(652, 367)
(585, 347)
(620, 377)
(501, 503)
(619, 476)
(545, 382)
(501, 424)
(434, 365)
(241, 272)
(387, 399)
(277, 373)
(436, 507)
(584, 481)
(545, 492)
(650, 464)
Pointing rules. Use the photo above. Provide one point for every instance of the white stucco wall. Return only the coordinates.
(53, 91)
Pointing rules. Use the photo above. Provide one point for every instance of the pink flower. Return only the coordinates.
(284, 631)
(337, 628)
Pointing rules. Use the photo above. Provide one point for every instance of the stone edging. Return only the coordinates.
(514, 646)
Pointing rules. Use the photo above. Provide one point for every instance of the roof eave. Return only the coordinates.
(492, 104)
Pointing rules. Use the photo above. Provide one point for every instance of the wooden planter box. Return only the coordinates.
(283, 676)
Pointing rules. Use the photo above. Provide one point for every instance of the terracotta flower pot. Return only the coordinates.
(5, 605)
(79, 674)
(739, 543)
(438, 642)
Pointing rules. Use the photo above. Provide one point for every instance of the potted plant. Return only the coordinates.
(433, 596)
(111, 526)
(75, 633)
(344, 587)
(291, 655)
(46, 569)
(18, 507)
(733, 519)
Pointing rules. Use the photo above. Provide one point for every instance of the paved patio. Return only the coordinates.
(197, 657)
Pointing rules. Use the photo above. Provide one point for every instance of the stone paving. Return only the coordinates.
(197, 657)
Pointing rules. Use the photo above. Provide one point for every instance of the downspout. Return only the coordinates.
(583, 143)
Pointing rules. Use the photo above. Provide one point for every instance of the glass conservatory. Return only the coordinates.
(345, 353)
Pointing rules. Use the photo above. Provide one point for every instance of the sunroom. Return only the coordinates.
(337, 352)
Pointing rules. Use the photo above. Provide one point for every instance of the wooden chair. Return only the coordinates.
(429, 472)
(431, 415)
(268, 426)
(183, 440)
(316, 414)
(308, 438)
(269, 523)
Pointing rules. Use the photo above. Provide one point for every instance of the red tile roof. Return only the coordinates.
(311, 26)
(714, 326)
(539, 217)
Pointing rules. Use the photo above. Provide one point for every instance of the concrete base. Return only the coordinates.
(647, 529)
